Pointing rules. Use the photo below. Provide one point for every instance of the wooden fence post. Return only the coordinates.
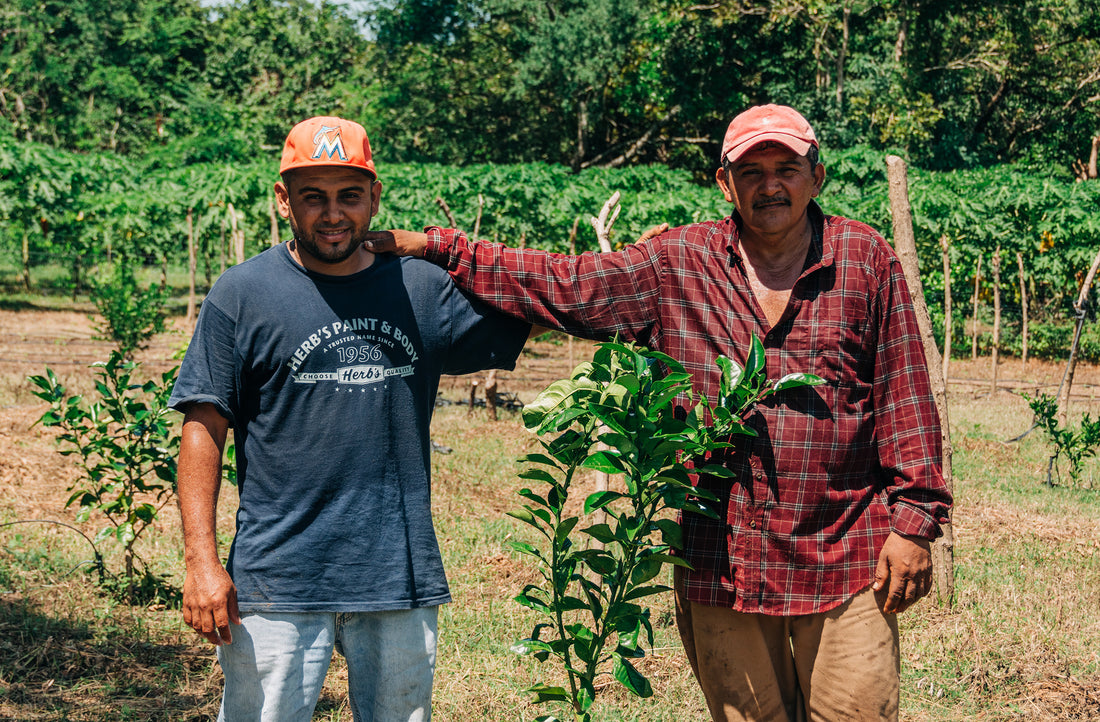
(602, 224)
(995, 355)
(974, 306)
(274, 213)
(192, 266)
(943, 549)
(26, 262)
(1023, 307)
(1071, 364)
(948, 321)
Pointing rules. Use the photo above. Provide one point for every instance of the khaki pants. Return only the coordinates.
(837, 666)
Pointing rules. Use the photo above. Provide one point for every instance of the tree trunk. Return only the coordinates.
(948, 321)
(1023, 308)
(26, 261)
(974, 323)
(582, 135)
(274, 213)
(943, 548)
(903, 31)
(1071, 364)
(477, 221)
(192, 267)
(236, 236)
(995, 355)
(842, 58)
(222, 248)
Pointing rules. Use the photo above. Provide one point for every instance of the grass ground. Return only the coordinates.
(1017, 644)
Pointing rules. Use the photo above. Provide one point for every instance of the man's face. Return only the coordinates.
(771, 186)
(329, 209)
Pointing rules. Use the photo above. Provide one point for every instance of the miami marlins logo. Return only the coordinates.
(328, 142)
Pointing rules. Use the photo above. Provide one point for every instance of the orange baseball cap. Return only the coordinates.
(767, 122)
(327, 141)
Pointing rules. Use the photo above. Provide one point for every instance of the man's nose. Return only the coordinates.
(770, 183)
(332, 210)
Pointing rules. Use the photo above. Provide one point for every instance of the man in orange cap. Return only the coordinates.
(325, 360)
(788, 611)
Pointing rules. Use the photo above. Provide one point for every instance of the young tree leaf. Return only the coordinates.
(630, 677)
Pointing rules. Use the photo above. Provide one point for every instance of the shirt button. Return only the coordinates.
(752, 524)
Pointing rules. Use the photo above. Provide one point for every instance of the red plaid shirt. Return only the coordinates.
(835, 467)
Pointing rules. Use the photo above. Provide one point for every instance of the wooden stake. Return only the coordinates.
(1023, 306)
(974, 306)
(491, 393)
(948, 321)
(473, 397)
(274, 213)
(27, 261)
(943, 549)
(477, 221)
(192, 266)
(447, 212)
(1071, 364)
(236, 236)
(996, 264)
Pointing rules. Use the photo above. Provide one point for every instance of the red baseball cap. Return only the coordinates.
(767, 122)
(327, 141)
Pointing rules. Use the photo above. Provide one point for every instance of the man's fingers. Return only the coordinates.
(651, 232)
(379, 242)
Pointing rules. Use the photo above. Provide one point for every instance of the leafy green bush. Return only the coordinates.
(590, 595)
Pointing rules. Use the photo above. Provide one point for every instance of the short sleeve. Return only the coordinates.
(208, 372)
(481, 337)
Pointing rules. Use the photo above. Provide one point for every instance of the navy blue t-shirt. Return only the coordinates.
(329, 383)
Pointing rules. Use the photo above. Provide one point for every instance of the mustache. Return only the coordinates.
(772, 202)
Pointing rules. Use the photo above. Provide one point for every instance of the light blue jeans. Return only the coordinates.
(276, 665)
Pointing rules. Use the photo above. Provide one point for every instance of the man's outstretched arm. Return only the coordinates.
(596, 296)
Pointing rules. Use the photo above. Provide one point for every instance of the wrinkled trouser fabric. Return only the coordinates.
(836, 666)
(276, 666)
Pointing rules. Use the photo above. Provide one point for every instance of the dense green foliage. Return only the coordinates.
(85, 210)
(958, 83)
(120, 120)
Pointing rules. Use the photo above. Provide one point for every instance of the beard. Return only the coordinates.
(328, 253)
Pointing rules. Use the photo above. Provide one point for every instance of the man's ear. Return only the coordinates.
(722, 178)
(376, 196)
(819, 179)
(282, 199)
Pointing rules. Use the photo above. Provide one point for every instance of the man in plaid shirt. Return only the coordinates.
(789, 610)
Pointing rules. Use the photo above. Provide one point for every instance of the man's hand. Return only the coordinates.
(650, 233)
(210, 603)
(905, 570)
(400, 243)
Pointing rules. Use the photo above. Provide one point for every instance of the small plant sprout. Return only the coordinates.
(127, 451)
(616, 413)
(1075, 444)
